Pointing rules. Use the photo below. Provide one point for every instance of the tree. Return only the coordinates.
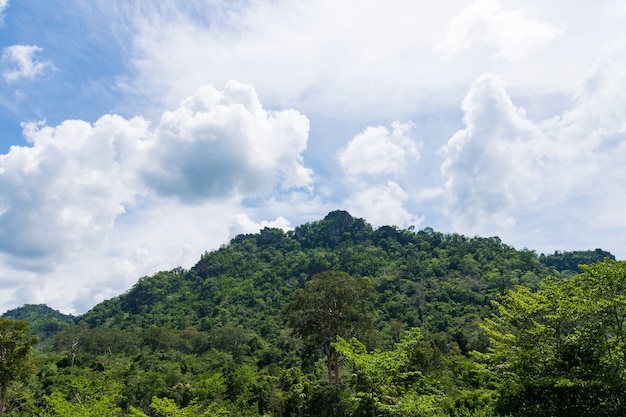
(15, 349)
(332, 304)
(389, 382)
(561, 350)
(166, 407)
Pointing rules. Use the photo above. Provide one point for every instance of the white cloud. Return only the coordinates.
(20, 62)
(85, 209)
(373, 162)
(146, 239)
(315, 56)
(224, 144)
(378, 151)
(375, 60)
(381, 205)
(65, 191)
(548, 181)
(485, 22)
(3, 5)
(490, 164)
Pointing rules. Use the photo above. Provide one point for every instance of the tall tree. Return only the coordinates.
(15, 349)
(561, 350)
(388, 383)
(333, 303)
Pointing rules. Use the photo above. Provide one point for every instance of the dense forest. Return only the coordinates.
(336, 318)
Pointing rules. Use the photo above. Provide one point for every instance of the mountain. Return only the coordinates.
(440, 282)
(215, 339)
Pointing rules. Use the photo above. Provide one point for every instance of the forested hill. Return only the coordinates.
(442, 283)
(443, 325)
(42, 320)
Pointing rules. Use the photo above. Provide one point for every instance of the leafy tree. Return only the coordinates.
(166, 407)
(15, 350)
(91, 394)
(600, 294)
(389, 382)
(60, 406)
(560, 350)
(332, 304)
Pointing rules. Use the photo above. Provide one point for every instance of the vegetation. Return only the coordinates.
(569, 261)
(561, 351)
(331, 304)
(42, 320)
(337, 318)
(15, 347)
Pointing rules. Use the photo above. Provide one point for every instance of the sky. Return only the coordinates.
(135, 136)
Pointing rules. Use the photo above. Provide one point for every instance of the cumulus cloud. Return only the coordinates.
(224, 144)
(490, 165)
(66, 189)
(378, 151)
(382, 204)
(20, 62)
(371, 161)
(485, 22)
(559, 176)
(121, 191)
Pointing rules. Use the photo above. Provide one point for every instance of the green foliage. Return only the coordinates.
(388, 382)
(42, 320)
(102, 406)
(560, 350)
(332, 304)
(15, 351)
(248, 331)
(570, 261)
(166, 407)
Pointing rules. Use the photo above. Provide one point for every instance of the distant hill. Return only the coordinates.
(42, 320)
(569, 261)
(441, 282)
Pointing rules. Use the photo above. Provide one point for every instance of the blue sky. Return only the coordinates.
(134, 136)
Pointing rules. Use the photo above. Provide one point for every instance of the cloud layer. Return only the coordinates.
(480, 117)
(486, 23)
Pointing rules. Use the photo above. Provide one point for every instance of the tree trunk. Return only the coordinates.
(3, 397)
(336, 367)
(328, 362)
